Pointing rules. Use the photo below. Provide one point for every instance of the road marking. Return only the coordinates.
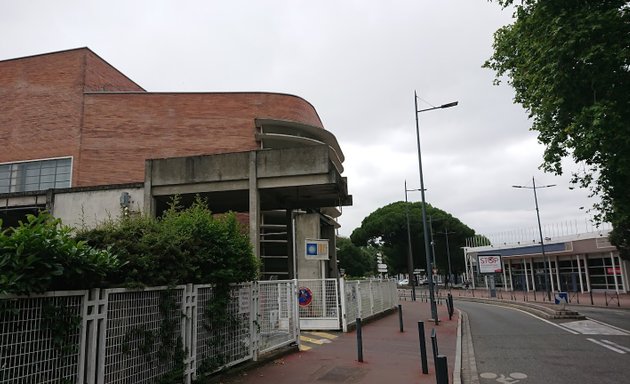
(512, 378)
(304, 347)
(590, 327)
(611, 326)
(537, 317)
(314, 341)
(325, 335)
(616, 345)
(607, 346)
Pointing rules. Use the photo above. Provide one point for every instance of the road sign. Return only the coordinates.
(316, 249)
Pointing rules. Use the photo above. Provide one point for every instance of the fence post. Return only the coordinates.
(342, 300)
(423, 348)
(441, 372)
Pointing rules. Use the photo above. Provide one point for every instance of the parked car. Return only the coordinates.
(403, 282)
(423, 281)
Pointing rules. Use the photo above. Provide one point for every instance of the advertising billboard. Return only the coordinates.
(490, 264)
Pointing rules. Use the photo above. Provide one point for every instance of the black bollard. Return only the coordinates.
(441, 373)
(423, 348)
(434, 344)
(359, 341)
(400, 318)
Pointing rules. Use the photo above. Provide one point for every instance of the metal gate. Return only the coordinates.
(319, 304)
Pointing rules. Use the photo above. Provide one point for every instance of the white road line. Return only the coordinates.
(611, 326)
(537, 317)
(606, 346)
(616, 345)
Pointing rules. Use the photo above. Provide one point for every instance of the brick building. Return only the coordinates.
(83, 140)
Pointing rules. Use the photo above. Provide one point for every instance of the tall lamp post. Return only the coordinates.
(409, 254)
(448, 255)
(546, 260)
(424, 211)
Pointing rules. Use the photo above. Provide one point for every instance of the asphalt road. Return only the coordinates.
(511, 346)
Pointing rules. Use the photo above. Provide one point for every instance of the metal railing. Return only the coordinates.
(137, 336)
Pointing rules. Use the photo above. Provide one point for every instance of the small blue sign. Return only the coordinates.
(311, 249)
(561, 298)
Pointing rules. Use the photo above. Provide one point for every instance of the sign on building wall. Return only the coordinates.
(490, 264)
(316, 249)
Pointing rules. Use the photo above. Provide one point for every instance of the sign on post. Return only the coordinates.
(316, 249)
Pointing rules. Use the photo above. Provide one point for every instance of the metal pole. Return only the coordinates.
(359, 341)
(400, 318)
(424, 216)
(409, 254)
(542, 244)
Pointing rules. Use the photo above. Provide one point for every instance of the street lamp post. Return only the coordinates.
(546, 261)
(410, 267)
(424, 211)
(448, 255)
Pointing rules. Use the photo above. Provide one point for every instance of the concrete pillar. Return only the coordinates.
(254, 204)
(579, 264)
(307, 226)
(526, 275)
(149, 201)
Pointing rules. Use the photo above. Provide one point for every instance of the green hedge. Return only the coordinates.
(183, 246)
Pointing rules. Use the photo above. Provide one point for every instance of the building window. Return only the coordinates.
(35, 175)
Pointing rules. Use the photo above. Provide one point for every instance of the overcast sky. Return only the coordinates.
(358, 62)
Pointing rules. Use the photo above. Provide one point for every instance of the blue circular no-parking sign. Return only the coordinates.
(305, 296)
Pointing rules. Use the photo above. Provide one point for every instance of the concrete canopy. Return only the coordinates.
(288, 178)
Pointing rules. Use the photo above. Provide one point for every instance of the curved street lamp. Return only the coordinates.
(546, 260)
(424, 211)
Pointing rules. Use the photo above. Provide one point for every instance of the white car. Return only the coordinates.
(403, 282)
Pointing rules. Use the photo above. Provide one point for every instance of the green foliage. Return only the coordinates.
(184, 246)
(40, 255)
(568, 62)
(387, 228)
(356, 261)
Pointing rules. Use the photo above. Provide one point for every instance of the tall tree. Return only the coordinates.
(356, 261)
(387, 228)
(569, 64)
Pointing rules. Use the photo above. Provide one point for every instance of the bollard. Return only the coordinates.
(591, 293)
(359, 341)
(400, 318)
(618, 304)
(441, 373)
(451, 308)
(423, 348)
(434, 344)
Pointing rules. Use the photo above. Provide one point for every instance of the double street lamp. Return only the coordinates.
(546, 261)
(424, 211)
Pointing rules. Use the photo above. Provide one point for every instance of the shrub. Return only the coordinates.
(40, 254)
(184, 246)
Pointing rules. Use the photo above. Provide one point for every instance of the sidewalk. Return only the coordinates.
(389, 356)
(596, 299)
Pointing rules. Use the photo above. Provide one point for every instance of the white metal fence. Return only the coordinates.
(139, 336)
(120, 336)
(366, 298)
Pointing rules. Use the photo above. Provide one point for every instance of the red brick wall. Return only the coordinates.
(41, 106)
(122, 130)
(44, 113)
(100, 76)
